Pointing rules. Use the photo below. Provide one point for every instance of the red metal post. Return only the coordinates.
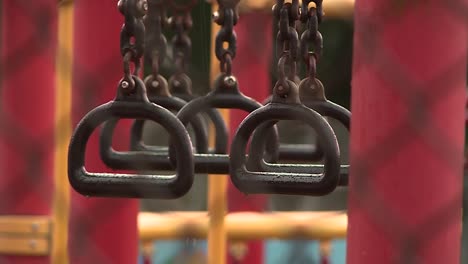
(408, 98)
(27, 111)
(251, 67)
(101, 230)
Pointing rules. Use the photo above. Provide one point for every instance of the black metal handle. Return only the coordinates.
(274, 151)
(303, 152)
(180, 86)
(296, 152)
(132, 105)
(258, 144)
(173, 104)
(143, 157)
(309, 179)
(226, 95)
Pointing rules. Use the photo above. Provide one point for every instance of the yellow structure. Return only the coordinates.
(332, 8)
(245, 225)
(217, 185)
(63, 102)
(25, 235)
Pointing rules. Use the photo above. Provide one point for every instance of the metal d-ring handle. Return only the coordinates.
(180, 86)
(339, 113)
(173, 104)
(310, 91)
(226, 95)
(159, 93)
(323, 107)
(142, 157)
(133, 105)
(311, 180)
(303, 179)
(275, 151)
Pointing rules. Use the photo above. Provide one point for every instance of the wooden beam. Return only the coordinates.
(332, 8)
(25, 235)
(245, 226)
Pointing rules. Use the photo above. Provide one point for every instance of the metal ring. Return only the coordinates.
(217, 163)
(130, 185)
(141, 156)
(221, 97)
(184, 92)
(310, 180)
(264, 150)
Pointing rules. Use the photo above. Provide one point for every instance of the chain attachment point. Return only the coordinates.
(181, 23)
(230, 81)
(132, 37)
(312, 89)
(226, 64)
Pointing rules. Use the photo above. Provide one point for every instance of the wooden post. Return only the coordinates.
(101, 230)
(252, 69)
(27, 121)
(409, 81)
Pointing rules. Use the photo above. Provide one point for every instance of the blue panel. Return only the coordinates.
(298, 252)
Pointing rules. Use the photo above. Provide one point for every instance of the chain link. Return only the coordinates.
(183, 8)
(293, 10)
(304, 17)
(132, 37)
(227, 17)
(223, 5)
(287, 42)
(181, 23)
(311, 17)
(155, 41)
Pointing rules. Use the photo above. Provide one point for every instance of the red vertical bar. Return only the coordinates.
(28, 40)
(101, 230)
(409, 80)
(251, 66)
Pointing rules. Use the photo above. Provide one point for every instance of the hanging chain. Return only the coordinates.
(311, 17)
(181, 23)
(311, 49)
(132, 37)
(287, 43)
(227, 17)
(155, 41)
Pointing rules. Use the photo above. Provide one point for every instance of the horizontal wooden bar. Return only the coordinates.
(245, 225)
(24, 246)
(25, 235)
(19, 225)
(332, 8)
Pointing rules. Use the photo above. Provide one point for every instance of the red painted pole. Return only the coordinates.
(251, 66)
(408, 98)
(27, 111)
(101, 230)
